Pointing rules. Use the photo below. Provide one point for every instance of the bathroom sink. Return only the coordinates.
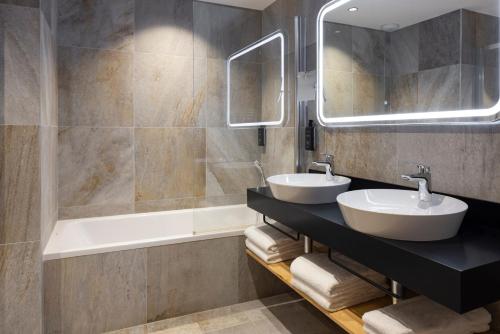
(307, 188)
(401, 215)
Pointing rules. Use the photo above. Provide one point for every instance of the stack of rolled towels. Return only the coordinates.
(331, 286)
(271, 245)
(421, 315)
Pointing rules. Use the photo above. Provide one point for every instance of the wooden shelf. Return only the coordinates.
(349, 319)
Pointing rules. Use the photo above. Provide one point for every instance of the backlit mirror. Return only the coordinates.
(407, 62)
(256, 84)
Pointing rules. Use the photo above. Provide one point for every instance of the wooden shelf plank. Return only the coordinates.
(349, 319)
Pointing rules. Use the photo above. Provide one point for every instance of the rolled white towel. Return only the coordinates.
(479, 319)
(269, 239)
(274, 257)
(418, 315)
(339, 302)
(329, 279)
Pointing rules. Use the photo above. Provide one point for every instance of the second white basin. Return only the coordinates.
(399, 214)
(307, 188)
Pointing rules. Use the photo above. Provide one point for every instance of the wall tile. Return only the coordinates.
(20, 70)
(95, 293)
(103, 158)
(278, 155)
(338, 46)
(225, 178)
(164, 27)
(204, 277)
(403, 51)
(100, 24)
(164, 205)
(98, 210)
(338, 93)
(26, 3)
(238, 145)
(439, 89)
(368, 94)
(95, 87)
(231, 199)
(246, 92)
(163, 91)
(48, 176)
(19, 184)
(20, 278)
(439, 41)
(403, 93)
(48, 77)
(216, 93)
(165, 163)
(220, 31)
(368, 50)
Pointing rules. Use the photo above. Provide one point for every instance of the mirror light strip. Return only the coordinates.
(267, 39)
(441, 117)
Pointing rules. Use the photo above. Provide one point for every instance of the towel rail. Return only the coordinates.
(296, 238)
(367, 280)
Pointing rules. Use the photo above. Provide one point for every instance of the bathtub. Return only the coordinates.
(77, 237)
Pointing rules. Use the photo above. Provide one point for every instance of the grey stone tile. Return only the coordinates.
(231, 199)
(469, 37)
(20, 278)
(368, 94)
(105, 76)
(338, 93)
(220, 31)
(490, 93)
(88, 211)
(142, 329)
(101, 24)
(164, 205)
(25, 3)
(183, 329)
(19, 184)
(246, 92)
(103, 158)
(163, 91)
(164, 27)
(403, 51)
(368, 51)
(48, 77)
(20, 70)
(167, 163)
(48, 178)
(95, 293)
(235, 145)
(487, 33)
(440, 147)
(338, 44)
(278, 155)
(439, 89)
(49, 11)
(470, 95)
(226, 178)
(404, 93)
(205, 277)
(439, 41)
(216, 94)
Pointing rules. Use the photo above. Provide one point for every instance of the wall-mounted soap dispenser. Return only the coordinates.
(310, 133)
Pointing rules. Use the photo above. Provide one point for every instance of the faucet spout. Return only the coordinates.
(424, 182)
(328, 164)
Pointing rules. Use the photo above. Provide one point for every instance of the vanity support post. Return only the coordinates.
(308, 245)
(397, 289)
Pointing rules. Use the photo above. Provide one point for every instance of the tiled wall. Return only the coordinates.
(142, 106)
(27, 160)
(104, 292)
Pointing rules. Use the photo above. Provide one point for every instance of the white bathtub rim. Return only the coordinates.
(144, 243)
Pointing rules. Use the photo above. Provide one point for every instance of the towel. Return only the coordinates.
(274, 257)
(270, 240)
(327, 278)
(420, 315)
(343, 300)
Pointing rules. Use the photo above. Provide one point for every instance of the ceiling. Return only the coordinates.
(252, 4)
(373, 14)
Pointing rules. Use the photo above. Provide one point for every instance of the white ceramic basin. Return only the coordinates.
(307, 188)
(399, 214)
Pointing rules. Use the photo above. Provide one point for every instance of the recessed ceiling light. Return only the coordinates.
(353, 9)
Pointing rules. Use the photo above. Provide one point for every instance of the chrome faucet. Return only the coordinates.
(260, 168)
(328, 164)
(423, 177)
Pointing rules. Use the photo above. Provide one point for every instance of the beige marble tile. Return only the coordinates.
(278, 155)
(103, 158)
(99, 24)
(404, 93)
(163, 91)
(142, 329)
(224, 178)
(95, 87)
(19, 184)
(337, 47)
(246, 92)
(20, 279)
(205, 277)
(48, 178)
(164, 205)
(166, 163)
(232, 199)
(368, 94)
(88, 211)
(216, 92)
(368, 51)
(184, 329)
(164, 27)
(20, 70)
(238, 145)
(338, 94)
(439, 89)
(95, 293)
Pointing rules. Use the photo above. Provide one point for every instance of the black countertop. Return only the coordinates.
(461, 273)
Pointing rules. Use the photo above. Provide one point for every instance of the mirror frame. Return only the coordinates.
(450, 117)
(264, 40)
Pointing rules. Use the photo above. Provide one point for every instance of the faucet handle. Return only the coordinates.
(423, 169)
(328, 157)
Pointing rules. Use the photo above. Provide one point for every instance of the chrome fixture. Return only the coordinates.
(328, 164)
(260, 168)
(398, 290)
(423, 177)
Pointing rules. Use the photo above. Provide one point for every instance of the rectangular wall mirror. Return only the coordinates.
(408, 62)
(256, 84)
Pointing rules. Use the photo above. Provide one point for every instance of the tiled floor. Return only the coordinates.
(283, 314)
